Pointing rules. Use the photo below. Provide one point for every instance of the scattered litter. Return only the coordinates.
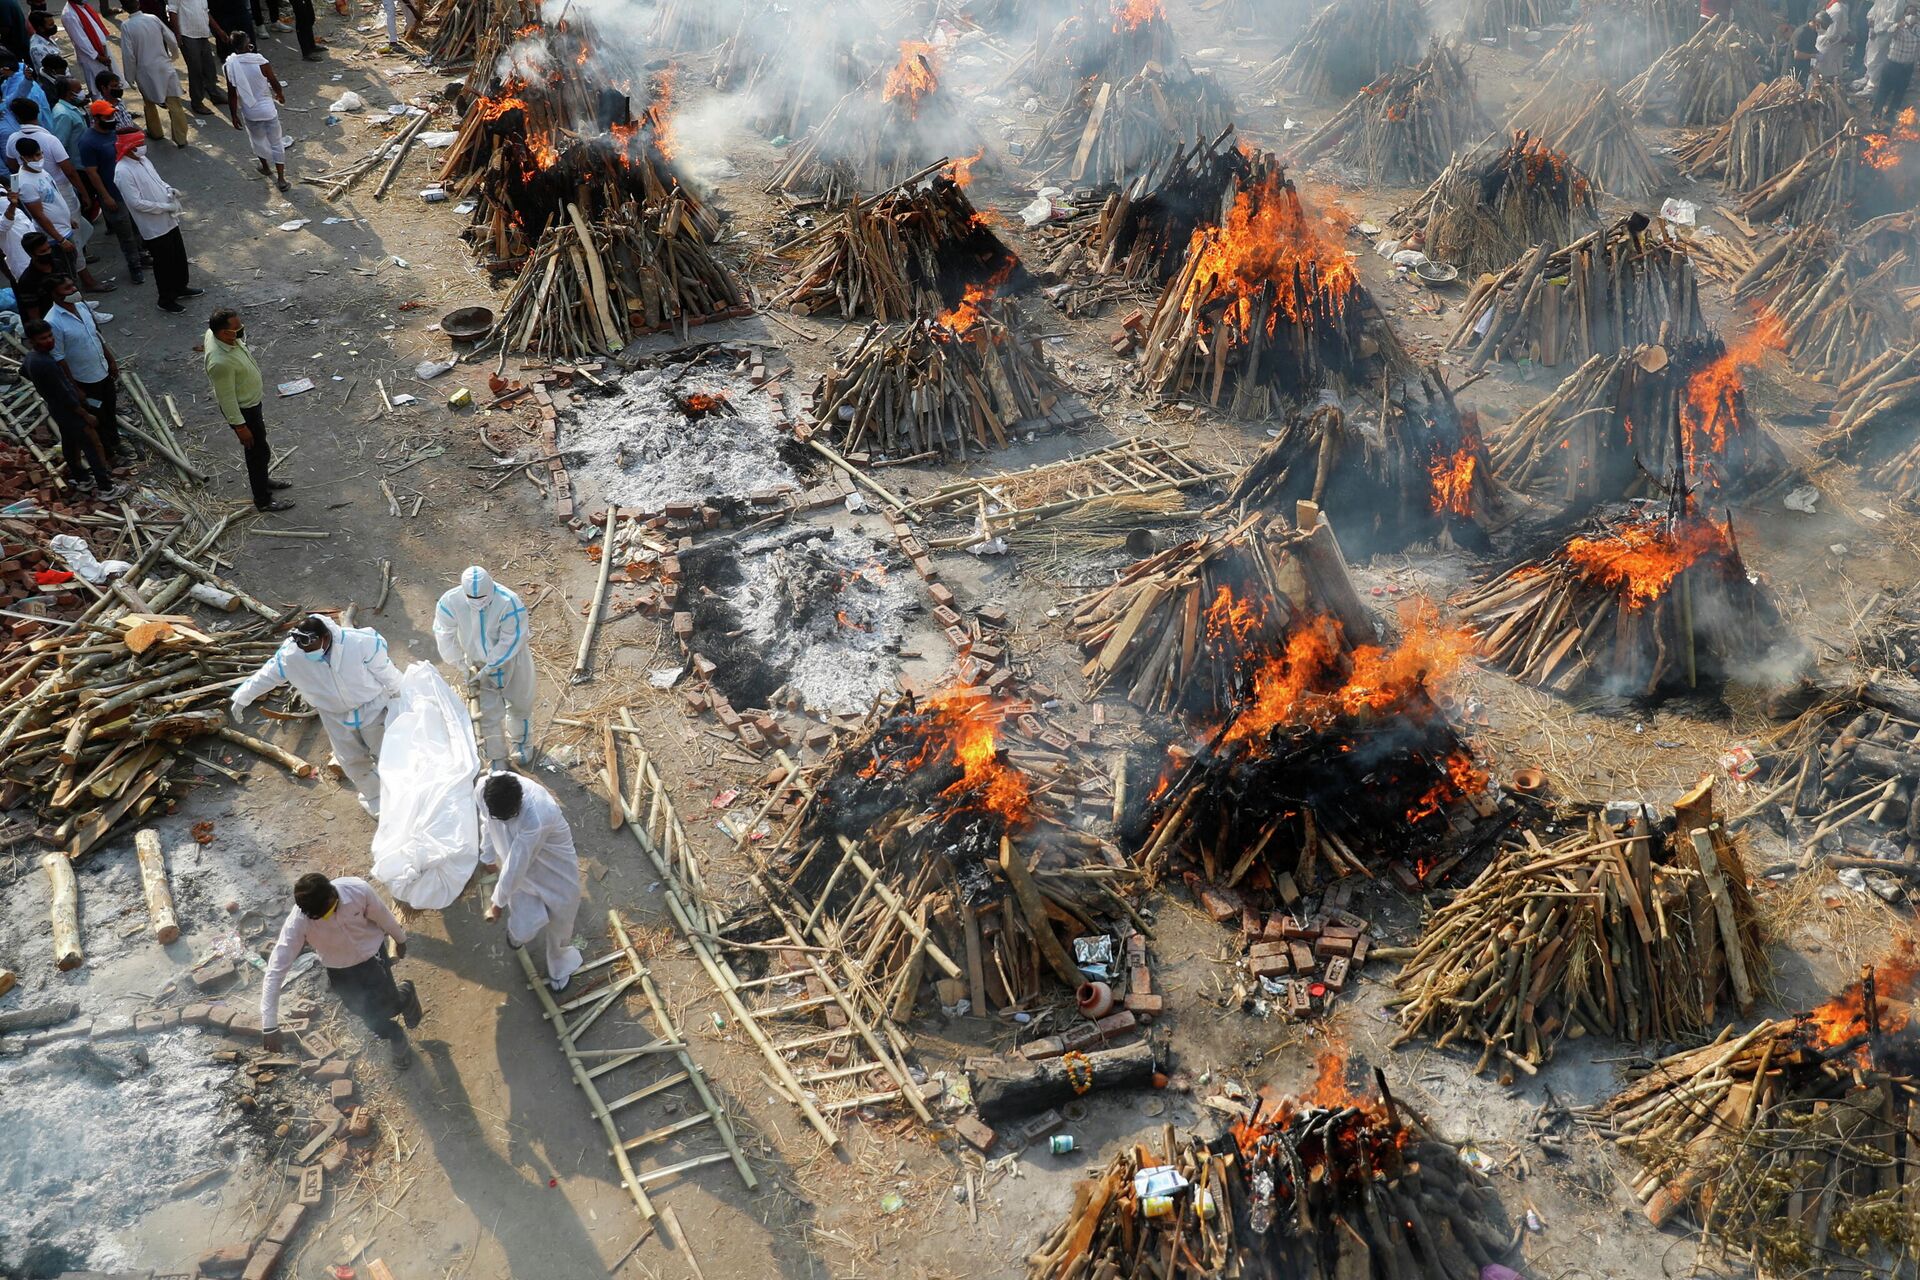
(295, 225)
(296, 387)
(1679, 211)
(1804, 499)
(427, 370)
(665, 677)
(435, 139)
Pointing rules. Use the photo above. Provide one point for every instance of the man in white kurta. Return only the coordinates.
(88, 34)
(147, 47)
(523, 831)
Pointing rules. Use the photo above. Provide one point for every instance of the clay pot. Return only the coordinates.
(1096, 999)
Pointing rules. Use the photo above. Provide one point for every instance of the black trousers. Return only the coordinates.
(370, 993)
(258, 455)
(104, 403)
(303, 25)
(1895, 78)
(84, 463)
(169, 255)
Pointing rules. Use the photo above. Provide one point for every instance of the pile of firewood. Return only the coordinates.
(1348, 46)
(1637, 605)
(1405, 126)
(878, 135)
(1867, 403)
(1700, 81)
(947, 387)
(1492, 204)
(591, 287)
(912, 248)
(1619, 424)
(1615, 42)
(1112, 133)
(1770, 131)
(1849, 772)
(1491, 19)
(1846, 301)
(1106, 38)
(1587, 123)
(1612, 288)
(456, 26)
(1820, 184)
(1637, 933)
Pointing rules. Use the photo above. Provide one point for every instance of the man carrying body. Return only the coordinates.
(346, 675)
(347, 926)
(523, 831)
(481, 629)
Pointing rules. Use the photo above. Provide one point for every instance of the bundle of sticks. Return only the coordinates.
(1639, 932)
(1701, 80)
(1587, 123)
(1491, 19)
(1637, 605)
(1615, 42)
(1849, 771)
(1820, 184)
(1614, 287)
(458, 26)
(877, 136)
(1347, 46)
(1619, 423)
(1871, 397)
(1113, 133)
(1493, 203)
(1405, 126)
(1771, 130)
(1106, 38)
(1116, 1219)
(948, 386)
(1846, 301)
(590, 287)
(912, 248)
(1180, 629)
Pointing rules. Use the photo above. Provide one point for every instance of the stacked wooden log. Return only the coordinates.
(1641, 932)
(913, 248)
(1636, 605)
(1846, 301)
(1110, 38)
(1615, 42)
(1587, 123)
(592, 287)
(961, 383)
(1405, 126)
(1612, 288)
(1870, 399)
(456, 27)
(1492, 19)
(1823, 183)
(1772, 129)
(1348, 46)
(1699, 81)
(1495, 202)
(1849, 772)
(1112, 132)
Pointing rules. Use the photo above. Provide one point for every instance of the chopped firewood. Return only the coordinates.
(1111, 133)
(1347, 46)
(1612, 932)
(1612, 288)
(1820, 184)
(1588, 123)
(1614, 41)
(1491, 205)
(1771, 130)
(1846, 301)
(1700, 81)
(457, 27)
(1405, 126)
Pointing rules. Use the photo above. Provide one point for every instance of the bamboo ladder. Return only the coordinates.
(573, 1019)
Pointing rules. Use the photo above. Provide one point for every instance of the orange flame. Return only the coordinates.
(660, 112)
(973, 300)
(1845, 1016)
(1641, 561)
(1268, 238)
(912, 78)
(1232, 621)
(1883, 149)
(963, 168)
(1464, 778)
(1453, 482)
(1130, 15)
(1710, 411)
(960, 729)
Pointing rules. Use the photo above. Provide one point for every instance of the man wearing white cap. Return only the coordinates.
(481, 628)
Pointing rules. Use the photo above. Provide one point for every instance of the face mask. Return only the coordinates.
(316, 655)
(33, 166)
(138, 153)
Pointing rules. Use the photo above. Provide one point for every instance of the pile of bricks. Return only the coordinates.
(23, 543)
(1301, 958)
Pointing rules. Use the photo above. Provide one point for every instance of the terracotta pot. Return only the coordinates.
(1096, 999)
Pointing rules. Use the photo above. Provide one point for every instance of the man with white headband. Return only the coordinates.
(481, 628)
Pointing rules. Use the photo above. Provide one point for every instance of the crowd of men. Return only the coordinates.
(1866, 48)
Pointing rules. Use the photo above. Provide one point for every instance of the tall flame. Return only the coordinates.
(1711, 410)
(972, 300)
(912, 78)
(1130, 15)
(1268, 238)
(1641, 560)
(963, 168)
(1452, 475)
(1845, 1016)
(959, 728)
(660, 112)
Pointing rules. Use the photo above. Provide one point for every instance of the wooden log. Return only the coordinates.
(1013, 866)
(38, 1017)
(64, 911)
(153, 879)
(1007, 1090)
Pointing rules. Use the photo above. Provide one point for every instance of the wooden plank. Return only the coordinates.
(1014, 867)
(1723, 911)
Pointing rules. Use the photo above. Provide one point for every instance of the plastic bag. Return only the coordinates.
(428, 840)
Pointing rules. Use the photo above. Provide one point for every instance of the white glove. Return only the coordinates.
(238, 712)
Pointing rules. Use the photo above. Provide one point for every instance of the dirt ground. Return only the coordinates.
(496, 1169)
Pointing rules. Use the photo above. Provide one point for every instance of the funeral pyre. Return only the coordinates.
(1347, 46)
(787, 95)
(1616, 41)
(1322, 1187)
(1701, 80)
(1114, 39)
(1771, 130)
(1621, 425)
(1651, 599)
(1641, 931)
(1848, 769)
(1859, 172)
(1112, 132)
(893, 126)
(1586, 122)
(1405, 126)
(1846, 300)
(1793, 1143)
(1491, 205)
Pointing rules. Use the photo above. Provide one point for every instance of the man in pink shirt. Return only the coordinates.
(347, 926)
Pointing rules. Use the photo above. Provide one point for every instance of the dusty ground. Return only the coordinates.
(497, 1170)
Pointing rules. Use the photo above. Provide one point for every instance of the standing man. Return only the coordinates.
(1806, 42)
(98, 154)
(1830, 50)
(87, 32)
(89, 361)
(1897, 75)
(523, 832)
(345, 675)
(303, 28)
(15, 35)
(147, 47)
(41, 45)
(41, 197)
(236, 386)
(155, 209)
(252, 94)
(86, 469)
(481, 629)
(347, 926)
(194, 25)
(20, 82)
(45, 267)
(68, 119)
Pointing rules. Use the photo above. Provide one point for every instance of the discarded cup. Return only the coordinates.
(1060, 1144)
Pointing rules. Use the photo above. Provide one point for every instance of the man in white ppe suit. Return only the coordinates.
(481, 628)
(346, 675)
(523, 831)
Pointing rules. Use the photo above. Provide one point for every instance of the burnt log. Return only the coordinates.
(1009, 1090)
(38, 1017)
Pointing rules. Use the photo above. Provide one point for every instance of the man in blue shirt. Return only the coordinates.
(96, 152)
(81, 351)
(87, 469)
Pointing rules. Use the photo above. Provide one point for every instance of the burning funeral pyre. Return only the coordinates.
(879, 134)
(1642, 603)
(1348, 46)
(1112, 133)
(1489, 206)
(1614, 42)
(1793, 1143)
(1769, 132)
(1643, 932)
(1700, 81)
(1612, 288)
(1849, 771)
(1857, 173)
(1586, 122)
(1426, 469)
(1334, 1185)
(1266, 307)
(1405, 126)
(1107, 39)
(916, 248)
(1621, 426)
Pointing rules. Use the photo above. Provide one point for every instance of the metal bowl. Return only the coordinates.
(1434, 273)
(467, 324)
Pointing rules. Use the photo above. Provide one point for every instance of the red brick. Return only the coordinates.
(264, 1264)
(224, 1263)
(340, 1092)
(286, 1223)
(1145, 1006)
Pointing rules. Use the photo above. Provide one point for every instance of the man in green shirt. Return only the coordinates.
(236, 387)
